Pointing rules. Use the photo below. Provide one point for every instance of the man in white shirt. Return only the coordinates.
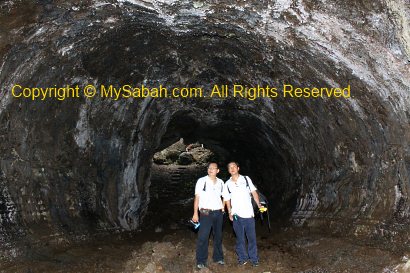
(208, 201)
(237, 196)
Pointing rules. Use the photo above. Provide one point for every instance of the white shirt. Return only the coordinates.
(241, 202)
(211, 197)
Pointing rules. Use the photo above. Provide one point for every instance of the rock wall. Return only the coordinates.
(82, 165)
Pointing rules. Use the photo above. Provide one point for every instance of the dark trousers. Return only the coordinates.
(242, 227)
(213, 221)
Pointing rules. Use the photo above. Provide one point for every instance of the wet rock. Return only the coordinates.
(192, 146)
(171, 154)
(185, 158)
(202, 156)
(160, 159)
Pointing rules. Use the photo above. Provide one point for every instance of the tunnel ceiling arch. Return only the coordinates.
(86, 163)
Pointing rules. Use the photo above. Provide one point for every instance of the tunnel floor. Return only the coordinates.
(165, 244)
(290, 250)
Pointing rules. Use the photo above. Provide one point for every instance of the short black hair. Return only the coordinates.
(234, 162)
(209, 164)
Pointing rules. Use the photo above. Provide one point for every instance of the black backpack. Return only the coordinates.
(262, 198)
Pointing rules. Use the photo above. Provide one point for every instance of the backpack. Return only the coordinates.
(262, 198)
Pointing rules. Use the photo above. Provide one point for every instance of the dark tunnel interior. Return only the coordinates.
(84, 165)
(246, 140)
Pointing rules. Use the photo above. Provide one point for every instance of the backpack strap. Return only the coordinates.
(247, 183)
(222, 187)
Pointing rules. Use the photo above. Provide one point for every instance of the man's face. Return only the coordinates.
(233, 169)
(213, 169)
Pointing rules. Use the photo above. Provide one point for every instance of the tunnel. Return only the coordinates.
(73, 165)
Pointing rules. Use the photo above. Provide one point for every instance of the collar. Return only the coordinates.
(210, 180)
(239, 180)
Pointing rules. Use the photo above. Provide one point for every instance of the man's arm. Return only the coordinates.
(195, 217)
(253, 189)
(256, 198)
(229, 208)
(226, 196)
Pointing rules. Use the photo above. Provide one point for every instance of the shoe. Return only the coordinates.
(255, 264)
(200, 266)
(242, 263)
(221, 262)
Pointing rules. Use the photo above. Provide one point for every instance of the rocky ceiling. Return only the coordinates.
(81, 164)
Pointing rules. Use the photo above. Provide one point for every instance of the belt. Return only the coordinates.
(205, 211)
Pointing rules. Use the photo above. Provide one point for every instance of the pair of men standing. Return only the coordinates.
(208, 202)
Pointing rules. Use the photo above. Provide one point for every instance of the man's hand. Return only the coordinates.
(262, 209)
(256, 198)
(195, 217)
(230, 217)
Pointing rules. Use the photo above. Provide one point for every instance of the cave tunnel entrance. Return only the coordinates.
(174, 172)
(240, 137)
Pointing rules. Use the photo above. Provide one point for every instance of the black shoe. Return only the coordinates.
(200, 266)
(255, 264)
(242, 263)
(221, 262)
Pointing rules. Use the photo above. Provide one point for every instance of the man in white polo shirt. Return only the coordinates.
(208, 201)
(237, 196)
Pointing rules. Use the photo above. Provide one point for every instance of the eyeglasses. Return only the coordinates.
(212, 168)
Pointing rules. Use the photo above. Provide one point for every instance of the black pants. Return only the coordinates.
(214, 221)
(245, 227)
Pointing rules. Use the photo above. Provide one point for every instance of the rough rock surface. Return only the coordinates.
(170, 154)
(83, 165)
(185, 158)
